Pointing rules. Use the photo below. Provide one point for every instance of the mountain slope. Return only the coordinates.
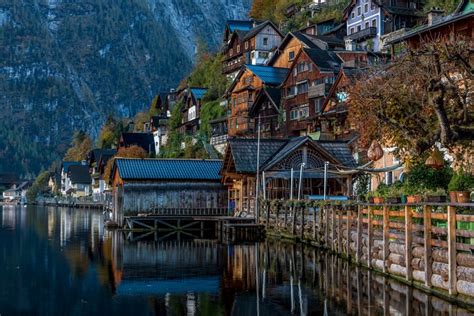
(65, 65)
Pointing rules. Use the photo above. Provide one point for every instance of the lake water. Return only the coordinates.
(56, 261)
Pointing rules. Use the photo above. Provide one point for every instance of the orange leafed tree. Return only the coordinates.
(125, 152)
(422, 98)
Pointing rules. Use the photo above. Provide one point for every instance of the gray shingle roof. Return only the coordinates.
(324, 60)
(168, 169)
(244, 152)
(79, 174)
(341, 151)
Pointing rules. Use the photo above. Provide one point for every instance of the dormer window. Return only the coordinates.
(247, 45)
(238, 49)
(265, 41)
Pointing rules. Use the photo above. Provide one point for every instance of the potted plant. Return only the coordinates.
(413, 193)
(459, 187)
(380, 194)
(394, 193)
(435, 196)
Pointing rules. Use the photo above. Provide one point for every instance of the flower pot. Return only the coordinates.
(412, 199)
(378, 200)
(436, 199)
(463, 196)
(453, 196)
(393, 200)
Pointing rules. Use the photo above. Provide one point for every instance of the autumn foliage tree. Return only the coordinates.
(424, 97)
(125, 152)
(81, 145)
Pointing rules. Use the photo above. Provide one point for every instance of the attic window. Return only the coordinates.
(247, 45)
(265, 41)
(238, 49)
(291, 55)
(353, 15)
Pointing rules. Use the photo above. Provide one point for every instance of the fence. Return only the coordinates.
(428, 244)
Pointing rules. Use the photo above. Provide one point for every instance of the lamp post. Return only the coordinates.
(326, 163)
(301, 178)
(257, 213)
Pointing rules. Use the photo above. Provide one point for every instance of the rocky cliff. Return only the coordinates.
(66, 65)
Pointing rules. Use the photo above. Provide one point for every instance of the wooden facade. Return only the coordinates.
(191, 110)
(304, 91)
(267, 110)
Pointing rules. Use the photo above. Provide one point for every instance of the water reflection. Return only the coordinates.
(62, 262)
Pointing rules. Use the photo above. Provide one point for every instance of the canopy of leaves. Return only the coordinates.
(110, 133)
(81, 145)
(210, 111)
(414, 110)
(124, 152)
(448, 6)
(39, 186)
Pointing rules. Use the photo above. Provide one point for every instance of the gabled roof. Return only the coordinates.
(241, 25)
(325, 60)
(168, 169)
(198, 93)
(244, 152)
(254, 31)
(269, 93)
(106, 155)
(269, 75)
(143, 140)
(79, 174)
(67, 164)
(443, 21)
(272, 151)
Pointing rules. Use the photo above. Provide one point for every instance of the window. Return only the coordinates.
(299, 112)
(329, 80)
(263, 55)
(372, 6)
(295, 71)
(291, 91)
(265, 41)
(302, 87)
(318, 104)
(302, 67)
(353, 15)
(358, 28)
(352, 30)
(366, 25)
(291, 55)
(252, 55)
(231, 52)
(247, 45)
(366, 8)
(359, 11)
(238, 49)
(374, 23)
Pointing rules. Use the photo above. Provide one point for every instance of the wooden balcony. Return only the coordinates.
(234, 66)
(319, 90)
(363, 34)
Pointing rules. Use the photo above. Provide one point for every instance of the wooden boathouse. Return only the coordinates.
(167, 187)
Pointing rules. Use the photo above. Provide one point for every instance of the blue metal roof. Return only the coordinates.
(198, 92)
(241, 25)
(269, 75)
(168, 169)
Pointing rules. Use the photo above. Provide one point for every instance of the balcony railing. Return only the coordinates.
(319, 90)
(363, 34)
(217, 140)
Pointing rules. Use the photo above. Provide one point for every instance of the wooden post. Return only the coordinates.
(277, 225)
(385, 228)
(267, 222)
(303, 209)
(293, 227)
(427, 244)
(408, 243)
(320, 226)
(286, 217)
(314, 224)
(452, 250)
(339, 232)
(369, 236)
(359, 234)
(348, 234)
(333, 229)
(326, 227)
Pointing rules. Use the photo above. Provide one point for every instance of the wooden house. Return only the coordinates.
(154, 185)
(253, 47)
(267, 109)
(97, 160)
(143, 140)
(305, 87)
(243, 91)
(219, 134)
(368, 21)
(80, 181)
(191, 110)
(278, 157)
(294, 41)
(159, 129)
(461, 22)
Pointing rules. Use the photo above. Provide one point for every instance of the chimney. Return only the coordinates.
(434, 14)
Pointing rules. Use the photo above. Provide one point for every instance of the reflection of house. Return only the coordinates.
(17, 193)
(143, 140)
(368, 21)
(277, 159)
(80, 181)
(243, 91)
(145, 185)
